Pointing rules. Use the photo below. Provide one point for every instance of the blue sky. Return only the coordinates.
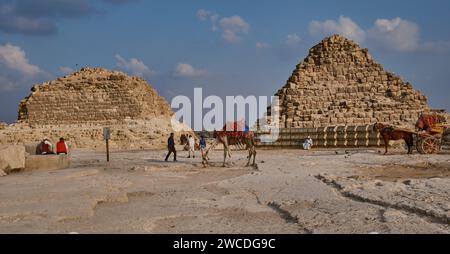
(227, 47)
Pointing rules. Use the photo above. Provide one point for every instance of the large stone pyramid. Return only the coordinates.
(92, 95)
(340, 83)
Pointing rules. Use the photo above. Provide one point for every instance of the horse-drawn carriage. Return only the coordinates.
(431, 142)
(427, 138)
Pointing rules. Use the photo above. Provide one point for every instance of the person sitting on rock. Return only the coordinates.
(61, 147)
(307, 145)
(46, 147)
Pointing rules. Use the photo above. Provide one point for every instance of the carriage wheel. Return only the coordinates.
(429, 145)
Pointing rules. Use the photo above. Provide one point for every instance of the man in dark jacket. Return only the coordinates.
(171, 147)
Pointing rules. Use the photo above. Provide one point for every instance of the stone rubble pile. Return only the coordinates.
(11, 158)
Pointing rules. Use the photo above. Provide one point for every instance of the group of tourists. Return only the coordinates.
(46, 147)
(191, 144)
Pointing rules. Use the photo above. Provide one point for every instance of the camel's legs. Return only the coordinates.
(226, 151)
(251, 152)
(254, 156)
(249, 156)
(224, 157)
(205, 158)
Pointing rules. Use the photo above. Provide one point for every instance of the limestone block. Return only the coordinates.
(46, 162)
(12, 157)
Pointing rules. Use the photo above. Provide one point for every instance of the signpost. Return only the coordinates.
(107, 137)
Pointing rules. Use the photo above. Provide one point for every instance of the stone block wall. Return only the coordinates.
(339, 83)
(358, 136)
(130, 135)
(92, 95)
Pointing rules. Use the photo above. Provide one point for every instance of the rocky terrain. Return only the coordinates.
(290, 191)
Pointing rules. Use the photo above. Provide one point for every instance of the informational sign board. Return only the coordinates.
(106, 133)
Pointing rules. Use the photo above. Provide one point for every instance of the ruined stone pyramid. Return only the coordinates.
(78, 107)
(340, 83)
(92, 95)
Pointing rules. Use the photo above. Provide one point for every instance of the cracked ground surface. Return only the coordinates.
(290, 191)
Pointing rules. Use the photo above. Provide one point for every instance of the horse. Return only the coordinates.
(390, 133)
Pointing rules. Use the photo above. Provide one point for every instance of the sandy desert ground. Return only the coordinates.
(290, 191)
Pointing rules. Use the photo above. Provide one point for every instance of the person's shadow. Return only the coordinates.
(171, 162)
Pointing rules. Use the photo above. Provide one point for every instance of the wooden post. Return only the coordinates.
(107, 137)
(107, 150)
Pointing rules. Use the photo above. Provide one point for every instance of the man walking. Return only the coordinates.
(191, 142)
(202, 145)
(171, 147)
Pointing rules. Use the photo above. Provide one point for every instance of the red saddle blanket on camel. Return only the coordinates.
(235, 130)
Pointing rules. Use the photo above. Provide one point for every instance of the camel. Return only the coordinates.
(228, 138)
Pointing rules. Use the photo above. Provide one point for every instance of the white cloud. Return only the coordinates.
(135, 67)
(262, 45)
(15, 59)
(293, 39)
(214, 19)
(393, 34)
(65, 70)
(396, 34)
(344, 26)
(233, 27)
(184, 70)
(15, 69)
(203, 14)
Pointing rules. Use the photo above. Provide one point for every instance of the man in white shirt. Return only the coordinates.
(191, 142)
(307, 145)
